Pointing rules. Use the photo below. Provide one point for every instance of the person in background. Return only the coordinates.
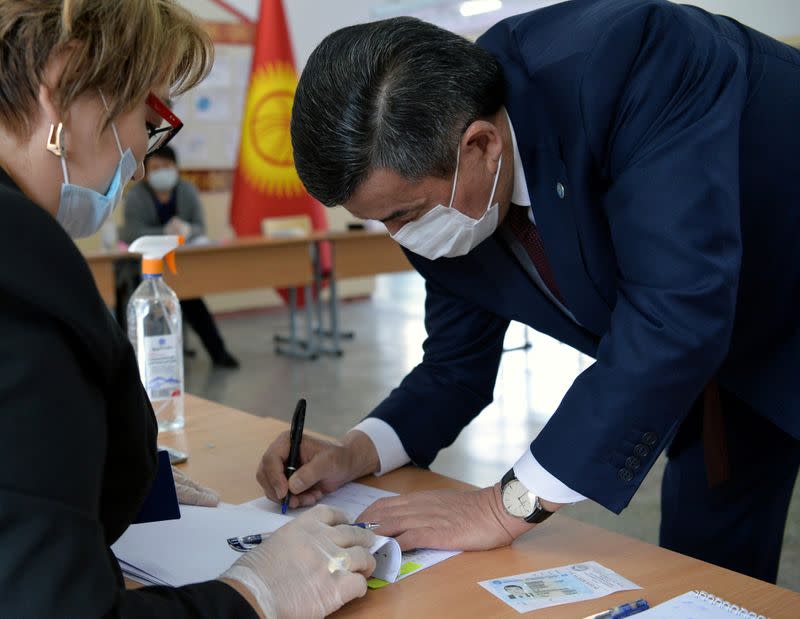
(82, 84)
(164, 204)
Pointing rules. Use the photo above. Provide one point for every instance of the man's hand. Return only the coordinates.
(447, 519)
(324, 467)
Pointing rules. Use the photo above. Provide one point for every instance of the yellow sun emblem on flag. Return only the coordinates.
(266, 151)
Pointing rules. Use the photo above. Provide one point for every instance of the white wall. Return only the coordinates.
(777, 18)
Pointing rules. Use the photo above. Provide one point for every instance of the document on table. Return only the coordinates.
(560, 585)
(195, 547)
(698, 605)
(353, 499)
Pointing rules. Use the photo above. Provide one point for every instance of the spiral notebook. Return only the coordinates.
(697, 605)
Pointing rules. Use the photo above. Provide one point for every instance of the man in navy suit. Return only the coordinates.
(621, 175)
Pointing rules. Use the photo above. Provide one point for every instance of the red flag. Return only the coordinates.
(266, 182)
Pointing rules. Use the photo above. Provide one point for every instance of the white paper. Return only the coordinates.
(559, 585)
(213, 105)
(697, 605)
(353, 499)
(193, 548)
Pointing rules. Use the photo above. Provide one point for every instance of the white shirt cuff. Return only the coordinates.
(539, 481)
(391, 453)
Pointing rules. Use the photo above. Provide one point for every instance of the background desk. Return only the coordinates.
(262, 262)
(225, 447)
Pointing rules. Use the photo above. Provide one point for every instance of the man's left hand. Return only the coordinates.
(446, 519)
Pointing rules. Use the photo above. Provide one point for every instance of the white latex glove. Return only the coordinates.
(177, 226)
(191, 493)
(308, 568)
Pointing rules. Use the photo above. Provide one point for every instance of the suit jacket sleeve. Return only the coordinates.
(661, 98)
(141, 218)
(55, 559)
(455, 380)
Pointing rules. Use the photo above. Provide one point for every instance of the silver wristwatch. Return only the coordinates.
(520, 502)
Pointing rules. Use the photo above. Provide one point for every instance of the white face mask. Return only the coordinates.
(163, 179)
(445, 232)
(83, 211)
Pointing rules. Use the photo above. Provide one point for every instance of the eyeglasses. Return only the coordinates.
(161, 136)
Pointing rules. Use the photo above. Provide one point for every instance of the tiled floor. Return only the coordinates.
(389, 332)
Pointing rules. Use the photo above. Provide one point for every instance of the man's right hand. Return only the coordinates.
(324, 467)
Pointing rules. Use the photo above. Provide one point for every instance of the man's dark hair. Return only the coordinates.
(393, 94)
(165, 152)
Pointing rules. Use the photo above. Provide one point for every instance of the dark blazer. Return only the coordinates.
(78, 437)
(675, 244)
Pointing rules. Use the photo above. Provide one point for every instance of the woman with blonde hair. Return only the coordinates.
(81, 90)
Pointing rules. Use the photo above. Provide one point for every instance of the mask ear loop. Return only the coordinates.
(455, 178)
(494, 185)
(113, 125)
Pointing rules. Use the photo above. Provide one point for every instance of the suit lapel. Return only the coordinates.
(553, 203)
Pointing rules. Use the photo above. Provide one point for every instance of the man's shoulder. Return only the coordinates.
(556, 32)
(186, 188)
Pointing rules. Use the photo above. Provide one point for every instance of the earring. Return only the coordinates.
(54, 140)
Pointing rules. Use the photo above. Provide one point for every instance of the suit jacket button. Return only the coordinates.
(625, 475)
(641, 451)
(633, 463)
(560, 190)
(649, 438)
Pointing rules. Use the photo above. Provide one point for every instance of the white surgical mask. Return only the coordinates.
(445, 232)
(83, 211)
(163, 179)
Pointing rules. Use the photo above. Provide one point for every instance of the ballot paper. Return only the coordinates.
(559, 585)
(195, 548)
(353, 499)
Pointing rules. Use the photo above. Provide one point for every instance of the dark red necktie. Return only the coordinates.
(527, 234)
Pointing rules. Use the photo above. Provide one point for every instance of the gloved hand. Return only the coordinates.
(308, 568)
(191, 493)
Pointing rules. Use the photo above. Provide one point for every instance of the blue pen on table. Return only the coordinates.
(248, 542)
(624, 610)
(295, 438)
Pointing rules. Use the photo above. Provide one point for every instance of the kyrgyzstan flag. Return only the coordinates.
(266, 182)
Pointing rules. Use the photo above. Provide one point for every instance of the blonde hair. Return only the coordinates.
(122, 47)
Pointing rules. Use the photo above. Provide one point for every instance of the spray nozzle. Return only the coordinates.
(155, 251)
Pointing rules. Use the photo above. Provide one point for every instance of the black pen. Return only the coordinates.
(295, 438)
(248, 542)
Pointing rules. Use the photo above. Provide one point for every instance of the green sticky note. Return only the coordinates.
(406, 568)
(376, 583)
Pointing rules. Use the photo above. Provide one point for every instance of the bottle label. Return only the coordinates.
(161, 367)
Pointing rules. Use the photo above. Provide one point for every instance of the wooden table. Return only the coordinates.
(261, 262)
(225, 446)
(241, 264)
(360, 253)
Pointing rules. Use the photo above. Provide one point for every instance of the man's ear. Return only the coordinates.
(484, 136)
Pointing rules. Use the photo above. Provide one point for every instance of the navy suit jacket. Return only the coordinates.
(674, 133)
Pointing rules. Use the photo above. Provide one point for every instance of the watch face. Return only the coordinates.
(517, 499)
